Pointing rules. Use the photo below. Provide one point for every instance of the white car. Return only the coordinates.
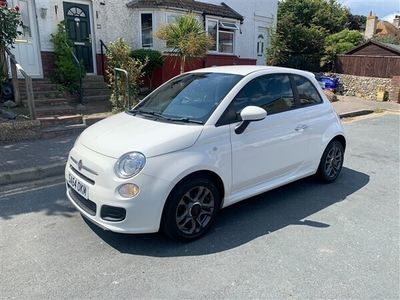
(201, 142)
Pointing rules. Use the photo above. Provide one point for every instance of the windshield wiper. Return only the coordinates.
(158, 115)
(185, 120)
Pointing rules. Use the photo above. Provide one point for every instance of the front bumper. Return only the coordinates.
(104, 206)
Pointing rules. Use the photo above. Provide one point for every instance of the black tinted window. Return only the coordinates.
(271, 92)
(308, 94)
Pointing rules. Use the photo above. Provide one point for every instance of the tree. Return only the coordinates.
(302, 27)
(186, 38)
(387, 39)
(9, 23)
(339, 43)
(356, 22)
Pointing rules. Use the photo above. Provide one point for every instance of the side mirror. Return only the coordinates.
(250, 114)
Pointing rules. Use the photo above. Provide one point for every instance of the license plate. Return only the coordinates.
(78, 186)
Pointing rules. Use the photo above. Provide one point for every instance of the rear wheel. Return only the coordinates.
(331, 162)
(191, 209)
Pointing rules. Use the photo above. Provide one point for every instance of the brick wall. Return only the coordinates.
(48, 63)
(395, 90)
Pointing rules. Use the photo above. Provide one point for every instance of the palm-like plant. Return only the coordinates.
(186, 38)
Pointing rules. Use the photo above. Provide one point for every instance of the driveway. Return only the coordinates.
(305, 240)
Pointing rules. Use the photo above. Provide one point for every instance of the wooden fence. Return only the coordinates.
(371, 66)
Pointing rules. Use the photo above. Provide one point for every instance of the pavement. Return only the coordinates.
(306, 240)
(31, 160)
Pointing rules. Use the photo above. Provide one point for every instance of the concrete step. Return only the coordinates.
(45, 87)
(97, 92)
(45, 94)
(94, 85)
(48, 102)
(96, 98)
(61, 120)
(58, 110)
(93, 78)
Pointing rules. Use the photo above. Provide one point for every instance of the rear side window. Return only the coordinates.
(270, 92)
(308, 94)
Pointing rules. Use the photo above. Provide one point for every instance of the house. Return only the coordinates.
(240, 29)
(376, 28)
(372, 58)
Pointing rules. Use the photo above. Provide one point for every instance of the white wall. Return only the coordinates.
(256, 13)
(115, 19)
(110, 21)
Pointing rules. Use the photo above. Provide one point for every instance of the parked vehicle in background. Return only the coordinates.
(200, 142)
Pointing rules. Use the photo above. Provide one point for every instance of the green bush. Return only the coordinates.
(10, 19)
(118, 56)
(340, 43)
(66, 72)
(153, 58)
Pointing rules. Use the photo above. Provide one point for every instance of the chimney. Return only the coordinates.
(370, 27)
(396, 21)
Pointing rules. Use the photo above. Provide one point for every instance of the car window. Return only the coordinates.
(190, 96)
(308, 94)
(270, 92)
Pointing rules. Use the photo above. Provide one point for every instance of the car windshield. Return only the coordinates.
(190, 98)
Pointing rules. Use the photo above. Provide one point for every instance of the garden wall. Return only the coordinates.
(360, 86)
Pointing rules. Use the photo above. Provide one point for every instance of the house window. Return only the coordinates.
(223, 34)
(260, 45)
(146, 22)
(212, 30)
(25, 18)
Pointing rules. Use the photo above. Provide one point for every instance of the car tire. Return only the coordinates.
(191, 209)
(331, 162)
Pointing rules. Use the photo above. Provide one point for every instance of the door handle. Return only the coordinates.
(301, 127)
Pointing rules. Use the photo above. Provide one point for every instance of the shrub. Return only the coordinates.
(9, 22)
(153, 58)
(66, 72)
(118, 57)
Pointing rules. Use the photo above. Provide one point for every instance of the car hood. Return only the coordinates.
(123, 133)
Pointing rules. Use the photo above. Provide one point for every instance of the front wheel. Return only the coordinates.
(331, 162)
(191, 209)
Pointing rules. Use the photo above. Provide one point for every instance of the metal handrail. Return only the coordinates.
(127, 93)
(15, 67)
(78, 63)
(103, 46)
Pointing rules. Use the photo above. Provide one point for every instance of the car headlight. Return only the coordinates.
(129, 164)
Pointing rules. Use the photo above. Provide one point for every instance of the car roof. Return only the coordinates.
(246, 70)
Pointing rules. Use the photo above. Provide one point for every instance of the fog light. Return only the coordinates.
(128, 190)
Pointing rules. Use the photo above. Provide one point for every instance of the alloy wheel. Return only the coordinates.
(195, 210)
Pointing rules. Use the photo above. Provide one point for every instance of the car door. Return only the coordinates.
(273, 148)
(317, 115)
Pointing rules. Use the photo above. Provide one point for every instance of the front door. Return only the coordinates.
(26, 45)
(77, 23)
(261, 45)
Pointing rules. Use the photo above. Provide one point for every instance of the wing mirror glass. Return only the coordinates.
(250, 114)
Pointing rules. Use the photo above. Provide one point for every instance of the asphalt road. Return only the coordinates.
(305, 240)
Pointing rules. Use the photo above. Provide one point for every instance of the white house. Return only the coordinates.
(240, 28)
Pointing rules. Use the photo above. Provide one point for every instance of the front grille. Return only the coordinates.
(81, 175)
(87, 205)
(112, 213)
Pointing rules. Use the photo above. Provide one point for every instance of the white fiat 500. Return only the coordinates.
(200, 142)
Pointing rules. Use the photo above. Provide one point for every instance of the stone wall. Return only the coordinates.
(395, 92)
(362, 87)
